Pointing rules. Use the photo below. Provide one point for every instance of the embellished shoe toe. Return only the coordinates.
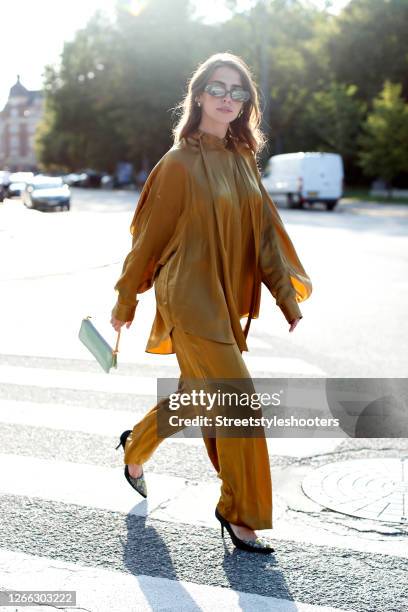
(139, 484)
(259, 543)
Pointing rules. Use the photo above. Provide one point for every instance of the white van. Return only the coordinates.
(305, 177)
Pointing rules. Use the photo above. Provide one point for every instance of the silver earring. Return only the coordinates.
(198, 103)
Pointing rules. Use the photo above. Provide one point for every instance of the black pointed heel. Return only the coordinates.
(139, 483)
(123, 437)
(248, 545)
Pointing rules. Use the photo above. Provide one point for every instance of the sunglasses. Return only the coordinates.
(218, 90)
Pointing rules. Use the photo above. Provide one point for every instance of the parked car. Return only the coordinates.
(17, 182)
(85, 178)
(93, 178)
(74, 179)
(305, 178)
(47, 193)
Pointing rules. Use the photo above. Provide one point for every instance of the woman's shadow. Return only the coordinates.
(176, 553)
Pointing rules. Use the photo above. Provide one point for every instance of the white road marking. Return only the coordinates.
(102, 589)
(113, 422)
(48, 378)
(259, 367)
(170, 499)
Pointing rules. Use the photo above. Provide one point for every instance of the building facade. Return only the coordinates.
(18, 122)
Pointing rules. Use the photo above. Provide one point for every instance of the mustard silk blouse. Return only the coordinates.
(206, 233)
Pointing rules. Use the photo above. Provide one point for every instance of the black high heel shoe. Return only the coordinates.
(248, 545)
(139, 483)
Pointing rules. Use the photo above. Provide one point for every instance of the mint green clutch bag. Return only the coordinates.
(104, 354)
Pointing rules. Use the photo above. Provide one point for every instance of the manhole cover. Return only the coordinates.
(375, 489)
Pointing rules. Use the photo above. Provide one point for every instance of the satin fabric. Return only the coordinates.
(206, 233)
(241, 463)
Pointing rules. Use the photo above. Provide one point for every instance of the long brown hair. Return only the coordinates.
(244, 128)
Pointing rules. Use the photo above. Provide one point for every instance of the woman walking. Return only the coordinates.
(206, 234)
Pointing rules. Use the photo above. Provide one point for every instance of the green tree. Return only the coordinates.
(113, 95)
(384, 139)
(283, 41)
(79, 128)
(332, 119)
(371, 45)
(111, 99)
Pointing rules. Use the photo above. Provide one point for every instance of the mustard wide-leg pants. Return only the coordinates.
(242, 463)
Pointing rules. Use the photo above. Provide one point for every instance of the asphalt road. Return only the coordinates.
(72, 522)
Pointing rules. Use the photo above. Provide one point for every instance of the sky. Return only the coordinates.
(33, 32)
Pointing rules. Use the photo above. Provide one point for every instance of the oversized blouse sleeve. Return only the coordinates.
(281, 270)
(274, 273)
(154, 223)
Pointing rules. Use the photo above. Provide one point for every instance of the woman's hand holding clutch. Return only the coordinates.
(116, 324)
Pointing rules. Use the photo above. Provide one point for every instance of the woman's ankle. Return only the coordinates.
(135, 469)
(243, 532)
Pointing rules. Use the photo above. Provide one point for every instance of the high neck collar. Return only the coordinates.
(211, 140)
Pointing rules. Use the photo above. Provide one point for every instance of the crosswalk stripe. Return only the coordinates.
(48, 378)
(112, 422)
(170, 499)
(67, 417)
(119, 383)
(86, 485)
(100, 589)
